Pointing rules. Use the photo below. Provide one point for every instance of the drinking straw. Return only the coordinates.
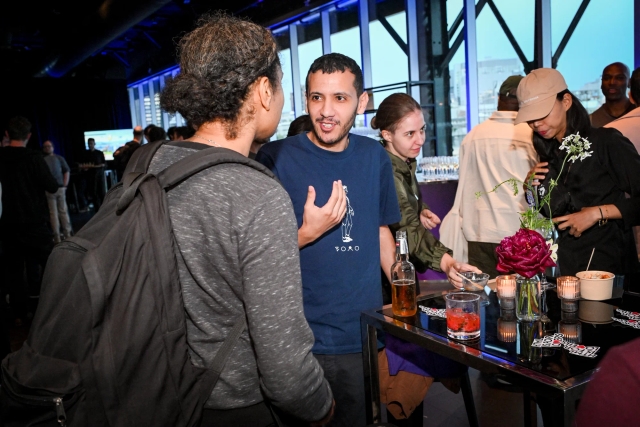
(589, 263)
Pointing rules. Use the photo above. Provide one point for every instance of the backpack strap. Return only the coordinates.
(204, 159)
(225, 350)
(136, 171)
(139, 162)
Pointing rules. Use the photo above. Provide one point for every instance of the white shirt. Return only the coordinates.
(491, 153)
(629, 126)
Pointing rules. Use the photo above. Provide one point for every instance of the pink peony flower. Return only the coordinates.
(526, 253)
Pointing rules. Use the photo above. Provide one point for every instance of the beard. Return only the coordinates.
(341, 136)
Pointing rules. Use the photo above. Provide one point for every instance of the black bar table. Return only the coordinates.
(555, 376)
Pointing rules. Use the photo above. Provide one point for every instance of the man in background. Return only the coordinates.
(494, 151)
(58, 211)
(629, 124)
(172, 133)
(24, 225)
(615, 80)
(122, 155)
(92, 169)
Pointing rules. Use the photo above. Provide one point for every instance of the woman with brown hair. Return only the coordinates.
(402, 132)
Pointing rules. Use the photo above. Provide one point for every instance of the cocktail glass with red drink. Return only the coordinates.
(463, 315)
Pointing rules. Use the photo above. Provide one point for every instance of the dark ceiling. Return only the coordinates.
(111, 39)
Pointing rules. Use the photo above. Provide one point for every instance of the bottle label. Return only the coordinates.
(402, 247)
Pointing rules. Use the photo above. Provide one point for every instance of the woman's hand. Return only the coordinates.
(578, 222)
(451, 267)
(428, 219)
(536, 174)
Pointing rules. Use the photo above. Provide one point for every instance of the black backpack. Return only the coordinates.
(107, 346)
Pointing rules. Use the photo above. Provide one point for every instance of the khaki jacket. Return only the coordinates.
(425, 251)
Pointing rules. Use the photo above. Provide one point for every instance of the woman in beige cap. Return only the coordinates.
(589, 204)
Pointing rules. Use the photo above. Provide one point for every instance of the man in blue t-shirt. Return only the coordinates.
(344, 242)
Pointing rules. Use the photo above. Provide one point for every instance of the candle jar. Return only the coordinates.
(506, 289)
(463, 315)
(569, 292)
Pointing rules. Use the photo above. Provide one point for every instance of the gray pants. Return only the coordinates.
(58, 214)
(345, 375)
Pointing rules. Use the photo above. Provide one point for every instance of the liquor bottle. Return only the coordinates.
(403, 280)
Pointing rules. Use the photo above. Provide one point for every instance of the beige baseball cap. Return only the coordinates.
(537, 93)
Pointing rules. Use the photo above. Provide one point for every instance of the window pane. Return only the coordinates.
(345, 32)
(147, 104)
(156, 102)
(497, 59)
(458, 99)
(288, 111)
(309, 45)
(520, 19)
(453, 9)
(389, 63)
(603, 35)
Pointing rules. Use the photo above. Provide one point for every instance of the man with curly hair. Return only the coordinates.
(343, 241)
(236, 233)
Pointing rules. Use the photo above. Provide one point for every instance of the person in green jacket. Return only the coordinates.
(402, 131)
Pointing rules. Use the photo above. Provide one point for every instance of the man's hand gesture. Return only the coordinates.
(316, 221)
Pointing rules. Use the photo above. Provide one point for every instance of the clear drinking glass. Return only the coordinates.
(463, 315)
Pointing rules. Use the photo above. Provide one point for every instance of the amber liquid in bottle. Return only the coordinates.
(403, 276)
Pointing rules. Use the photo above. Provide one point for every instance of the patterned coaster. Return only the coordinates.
(557, 340)
(630, 314)
(437, 312)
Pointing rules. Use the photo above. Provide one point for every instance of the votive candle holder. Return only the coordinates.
(569, 292)
(506, 286)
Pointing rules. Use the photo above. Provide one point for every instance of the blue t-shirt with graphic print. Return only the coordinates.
(341, 269)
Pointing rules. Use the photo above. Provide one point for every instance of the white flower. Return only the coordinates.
(554, 250)
(576, 146)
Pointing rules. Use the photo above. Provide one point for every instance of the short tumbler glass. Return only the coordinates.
(463, 315)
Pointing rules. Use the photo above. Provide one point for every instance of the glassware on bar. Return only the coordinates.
(506, 289)
(463, 315)
(403, 280)
(569, 292)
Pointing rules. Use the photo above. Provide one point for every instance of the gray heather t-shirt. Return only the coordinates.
(58, 167)
(237, 253)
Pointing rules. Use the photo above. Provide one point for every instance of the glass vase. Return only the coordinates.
(527, 332)
(528, 298)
